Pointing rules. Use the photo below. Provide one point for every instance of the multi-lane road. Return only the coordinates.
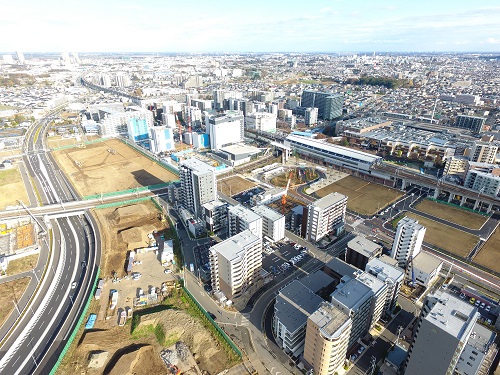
(44, 322)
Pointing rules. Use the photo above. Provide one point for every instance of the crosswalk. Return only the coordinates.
(245, 320)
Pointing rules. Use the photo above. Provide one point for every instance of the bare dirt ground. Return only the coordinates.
(10, 292)
(22, 264)
(12, 188)
(141, 218)
(234, 185)
(363, 197)
(109, 166)
(489, 254)
(453, 214)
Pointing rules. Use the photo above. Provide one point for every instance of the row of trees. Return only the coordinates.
(387, 82)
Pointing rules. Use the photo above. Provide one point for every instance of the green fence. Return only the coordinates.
(460, 207)
(77, 327)
(121, 203)
(129, 191)
(216, 326)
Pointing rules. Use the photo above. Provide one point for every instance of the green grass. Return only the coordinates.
(143, 332)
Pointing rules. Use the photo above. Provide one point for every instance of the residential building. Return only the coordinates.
(114, 120)
(162, 139)
(20, 57)
(472, 123)
(328, 153)
(326, 215)
(235, 263)
(215, 216)
(408, 240)
(456, 165)
(261, 121)
(392, 276)
(354, 298)
(294, 304)
(441, 333)
(123, 80)
(311, 116)
(424, 268)
(327, 338)
(379, 289)
(483, 152)
(273, 223)
(361, 250)
(479, 345)
(137, 129)
(329, 105)
(241, 218)
(484, 183)
(198, 185)
(224, 128)
(200, 140)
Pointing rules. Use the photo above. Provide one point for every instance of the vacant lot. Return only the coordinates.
(364, 197)
(453, 214)
(447, 238)
(110, 166)
(490, 253)
(12, 188)
(10, 292)
(234, 185)
(22, 264)
(299, 176)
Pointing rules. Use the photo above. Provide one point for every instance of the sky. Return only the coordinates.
(250, 26)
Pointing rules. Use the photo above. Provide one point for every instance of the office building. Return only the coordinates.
(235, 264)
(224, 128)
(483, 152)
(162, 139)
(484, 183)
(241, 218)
(408, 240)
(329, 105)
(273, 223)
(261, 121)
(354, 298)
(198, 185)
(424, 268)
(326, 215)
(311, 116)
(472, 123)
(215, 216)
(361, 250)
(327, 338)
(441, 333)
(392, 276)
(294, 304)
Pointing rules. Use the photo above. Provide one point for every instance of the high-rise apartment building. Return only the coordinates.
(392, 276)
(273, 223)
(360, 250)
(443, 329)
(137, 129)
(241, 218)
(484, 183)
(329, 104)
(261, 121)
(198, 185)
(20, 57)
(224, 128)
(483, 152)
(311, 116)
(215, 216)
(235, 263)
(326, 215)
(472, 123)
(408, 240)
(162, 139)
(327, 338)
(123, 80)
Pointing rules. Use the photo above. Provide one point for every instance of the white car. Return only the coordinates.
(73, 285)
(167, 271)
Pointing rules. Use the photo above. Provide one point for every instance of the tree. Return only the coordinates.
(321, 136)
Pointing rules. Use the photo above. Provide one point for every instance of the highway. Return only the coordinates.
(44, 324)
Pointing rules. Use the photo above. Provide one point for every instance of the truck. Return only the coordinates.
(91, 321)
(122, 319)
(113, 299)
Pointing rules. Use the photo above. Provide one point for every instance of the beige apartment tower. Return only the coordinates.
(327, 337)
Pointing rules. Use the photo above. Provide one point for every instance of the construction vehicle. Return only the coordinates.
(283, 197)
(123, 318)
(413, 283)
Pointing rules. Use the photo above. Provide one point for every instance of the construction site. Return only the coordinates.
(17, 235)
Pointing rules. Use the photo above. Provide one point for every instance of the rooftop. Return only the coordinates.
(265, 211)
(384, 270)
(426, 262)
(317, 280)
(364, 246)
(232, 247)
(294, 304)
(341, 268)
(330, 320)
(197, 165)
(352, 294)
(329, 200)
(240, 149)
(244, 213)
(376, 285)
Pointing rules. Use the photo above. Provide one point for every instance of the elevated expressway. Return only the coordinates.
(37, 331)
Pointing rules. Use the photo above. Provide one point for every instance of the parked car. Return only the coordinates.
(472, 300)
(483, 305)
(488, 308)
(361, 349)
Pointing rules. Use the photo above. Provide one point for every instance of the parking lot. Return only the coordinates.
(483, 304)
(281, 257)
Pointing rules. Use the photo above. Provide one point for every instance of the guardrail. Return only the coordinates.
(77, 326)
(129, 191)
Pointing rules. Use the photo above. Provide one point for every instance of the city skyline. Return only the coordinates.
(321, 26)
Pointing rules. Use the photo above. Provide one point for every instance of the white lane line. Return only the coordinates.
(45, 173)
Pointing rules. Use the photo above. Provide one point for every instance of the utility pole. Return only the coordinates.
(400, 329)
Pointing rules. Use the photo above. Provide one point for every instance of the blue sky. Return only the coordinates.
(249, 26)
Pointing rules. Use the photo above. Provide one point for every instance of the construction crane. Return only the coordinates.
(178, 122)
(412, 273)
(283, 197)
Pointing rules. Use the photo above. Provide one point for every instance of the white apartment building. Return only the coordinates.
(379, 289)
(273, 223)
(114, 120)
(327, 339)
(483, 152)
(408, 240)
(311, 116)
(392, 276)
(424, 268)
(262, 121)
(162, 139)
(224, 129)
(485, 183)
(241, 218)
(326, 215)
(198, 185)
(235, 263)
